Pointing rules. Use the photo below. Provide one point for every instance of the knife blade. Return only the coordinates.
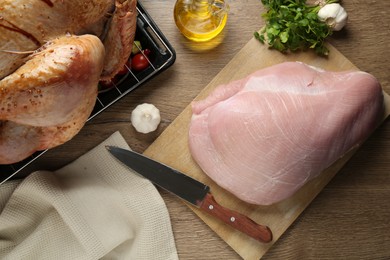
(190, 190)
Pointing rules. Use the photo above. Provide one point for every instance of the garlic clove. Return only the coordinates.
(145, 118)
(334, 15)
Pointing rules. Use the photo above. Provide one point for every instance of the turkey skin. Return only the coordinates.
(53, 53)
(263, 137)
(47, 101)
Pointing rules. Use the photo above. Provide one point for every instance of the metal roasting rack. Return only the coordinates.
(162, 56)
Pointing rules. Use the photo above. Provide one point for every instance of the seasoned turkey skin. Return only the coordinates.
(53, 53)
(27, 25)
(263, 137)
(46, 101)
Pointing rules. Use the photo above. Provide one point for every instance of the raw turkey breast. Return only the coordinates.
(263, 137)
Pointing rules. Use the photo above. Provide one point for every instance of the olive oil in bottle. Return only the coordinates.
(200, 20)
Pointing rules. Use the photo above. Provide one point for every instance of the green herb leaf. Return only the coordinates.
(293, 25)
(284, 36)
(259, 36)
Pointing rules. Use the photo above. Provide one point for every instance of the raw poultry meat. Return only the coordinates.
(53, 53)
(263, 137)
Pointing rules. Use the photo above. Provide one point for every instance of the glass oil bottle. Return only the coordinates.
(200, 20)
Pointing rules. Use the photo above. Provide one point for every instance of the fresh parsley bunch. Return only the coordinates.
(293, 25)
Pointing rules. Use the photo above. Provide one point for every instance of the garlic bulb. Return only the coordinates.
(145, 118)
(334, 15)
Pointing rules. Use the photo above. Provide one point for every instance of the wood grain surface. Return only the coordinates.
(349, 219)
(280, 215)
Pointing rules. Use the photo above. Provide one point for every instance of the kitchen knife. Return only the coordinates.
(190, 190)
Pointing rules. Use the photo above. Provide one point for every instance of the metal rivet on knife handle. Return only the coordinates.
(236, 220)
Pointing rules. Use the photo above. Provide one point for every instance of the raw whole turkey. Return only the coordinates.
(53, 53)
(263, 137)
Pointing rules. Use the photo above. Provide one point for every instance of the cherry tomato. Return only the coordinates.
(139, 61)
(147, 52)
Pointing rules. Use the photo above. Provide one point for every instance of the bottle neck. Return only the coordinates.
(201, 7)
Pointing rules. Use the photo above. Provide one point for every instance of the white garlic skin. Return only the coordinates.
(145, 118)
(334, 15)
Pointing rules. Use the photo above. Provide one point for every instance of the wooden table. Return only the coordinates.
(349, 219)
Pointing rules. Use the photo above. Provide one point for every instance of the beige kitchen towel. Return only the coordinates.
(93, 208)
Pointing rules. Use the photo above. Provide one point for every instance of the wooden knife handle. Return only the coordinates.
(236, 220)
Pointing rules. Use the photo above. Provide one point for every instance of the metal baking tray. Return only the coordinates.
(163, 56)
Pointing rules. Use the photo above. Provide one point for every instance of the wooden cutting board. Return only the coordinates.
(174, 141)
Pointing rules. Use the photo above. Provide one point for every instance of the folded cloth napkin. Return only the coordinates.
(93, 208)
